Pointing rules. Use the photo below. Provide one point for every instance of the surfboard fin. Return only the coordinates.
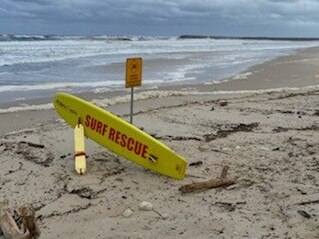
(79, 148)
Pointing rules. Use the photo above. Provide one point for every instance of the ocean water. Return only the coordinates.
(39, 66)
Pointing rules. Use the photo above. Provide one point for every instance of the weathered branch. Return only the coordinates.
(29, 221)
(9, 226)
(212, 183)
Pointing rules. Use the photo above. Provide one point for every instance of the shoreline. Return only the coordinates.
(253, 78)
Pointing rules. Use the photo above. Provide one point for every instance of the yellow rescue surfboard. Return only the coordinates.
(119, 136)
(79, 148)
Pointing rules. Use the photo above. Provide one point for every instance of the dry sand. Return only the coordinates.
(269, 140)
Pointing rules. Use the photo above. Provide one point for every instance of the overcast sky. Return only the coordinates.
(297, 18)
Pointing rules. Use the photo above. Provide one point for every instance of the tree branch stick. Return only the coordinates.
(29, 221)
(212, 183)
(9, 226)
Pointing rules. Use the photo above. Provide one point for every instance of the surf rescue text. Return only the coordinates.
(116, 136)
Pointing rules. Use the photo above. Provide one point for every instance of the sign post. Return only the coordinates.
(133, 78)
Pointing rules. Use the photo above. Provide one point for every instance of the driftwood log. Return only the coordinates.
(29, 221)
(222, 181)
(9, 226)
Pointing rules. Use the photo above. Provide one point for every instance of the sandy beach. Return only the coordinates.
(262, 123)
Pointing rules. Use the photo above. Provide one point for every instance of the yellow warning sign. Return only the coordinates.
(133, 72)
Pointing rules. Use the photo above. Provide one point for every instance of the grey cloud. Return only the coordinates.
(205, 16)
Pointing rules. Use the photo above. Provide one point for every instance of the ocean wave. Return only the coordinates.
(155, 94)
(28, 37)
(27, 108)
(25, 49)
(183, 37)
(32, 49)
(145, 95)
(60, 85)
(13, 37)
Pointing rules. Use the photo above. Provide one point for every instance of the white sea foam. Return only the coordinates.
(101, 102)
(27, 108)
(22, 52)
(52, 86)
(155, 94)
(242, 76)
